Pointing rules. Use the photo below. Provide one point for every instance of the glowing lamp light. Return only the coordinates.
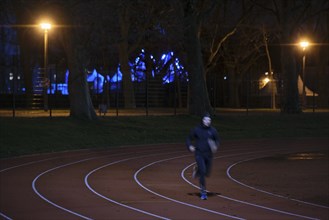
(266, 80)
(45, 26)
(263, 82)
(304, 44)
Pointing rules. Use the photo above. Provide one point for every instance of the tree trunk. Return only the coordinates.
(199, 102)
(128, 90)
(290, 102)
(80, 101)
(322, 79)
(290, 79)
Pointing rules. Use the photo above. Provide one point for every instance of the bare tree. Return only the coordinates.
(234, 42)
(240, 55)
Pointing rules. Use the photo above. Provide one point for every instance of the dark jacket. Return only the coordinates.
(199, 136)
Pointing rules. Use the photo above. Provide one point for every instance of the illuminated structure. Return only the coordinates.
(138, 69)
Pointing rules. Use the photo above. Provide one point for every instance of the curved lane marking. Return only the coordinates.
(124, 205)
(22, 165)
(244, 202)
(86, 181)
(5, 217)
(58, 157)
(52, 203)
(58, 167)
(116, 202)
(263, 191)
(174, 200)
(106, 165)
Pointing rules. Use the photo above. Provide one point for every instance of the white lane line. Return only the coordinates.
(174, 200)
(39, 161)
(82, 154)
(22, 165)
(58, 167)
(48, 159)
(187, 204)
(5, 217)
(28, 163)
(114, 201)
(120, 203)
(52, 203)
(38, 177)
(263, 191)
(244, 202)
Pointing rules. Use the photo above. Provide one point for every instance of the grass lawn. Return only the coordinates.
(23, 135)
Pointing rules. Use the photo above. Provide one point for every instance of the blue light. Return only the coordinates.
(117, 77)
(98, 81)
(138, 74)
(163, 56)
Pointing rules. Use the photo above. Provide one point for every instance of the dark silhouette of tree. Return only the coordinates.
(235, 45)
(136, 25)
(77, 44)
(240, 55)
(28, 38)
(194, 15)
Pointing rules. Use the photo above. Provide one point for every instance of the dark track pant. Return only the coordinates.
(204, 163)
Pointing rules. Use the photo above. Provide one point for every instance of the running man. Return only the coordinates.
(203, 141)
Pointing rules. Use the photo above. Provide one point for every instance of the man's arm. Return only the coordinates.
(188, 141)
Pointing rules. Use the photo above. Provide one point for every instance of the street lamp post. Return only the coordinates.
(46, 27)
(270, 79)
(304, 45)
(273, 85)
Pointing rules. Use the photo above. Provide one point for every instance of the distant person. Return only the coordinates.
(203, 141)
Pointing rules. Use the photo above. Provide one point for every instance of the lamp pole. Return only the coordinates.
(46, 27)
(303, 93)
(304, 45)
(273, 85)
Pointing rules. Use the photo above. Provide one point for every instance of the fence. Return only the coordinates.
(51, 93)
(150, 94)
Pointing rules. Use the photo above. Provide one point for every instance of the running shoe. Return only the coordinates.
(204, 196)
